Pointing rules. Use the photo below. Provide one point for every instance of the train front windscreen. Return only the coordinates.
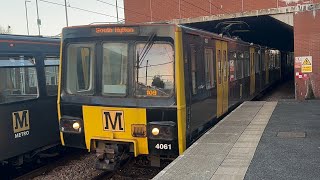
(120, 69)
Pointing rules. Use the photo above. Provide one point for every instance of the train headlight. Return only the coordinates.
(155, 131)
(70, 124)
(76, 125)
(162, 130)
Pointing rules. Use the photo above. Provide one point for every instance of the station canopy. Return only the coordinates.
(263, 30)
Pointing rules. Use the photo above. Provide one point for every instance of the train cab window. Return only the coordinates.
(154, 70)
(80, 66)
(51, 71)
(114, 68)
(219, 67)
(18, 78)
(209, 68)
(239, 65)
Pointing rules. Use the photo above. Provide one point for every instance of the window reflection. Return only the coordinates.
(154, 71)
(115, 60)
(18, 78)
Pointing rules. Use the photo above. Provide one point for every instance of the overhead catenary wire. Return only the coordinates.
(81, 9)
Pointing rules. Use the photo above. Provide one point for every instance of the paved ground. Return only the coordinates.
(225, 151)
(290, 145)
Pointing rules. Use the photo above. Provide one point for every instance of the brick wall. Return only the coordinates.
(307, 43)
(160, 10)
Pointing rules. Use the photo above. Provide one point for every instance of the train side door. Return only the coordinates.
(252, 72)
(222, 77)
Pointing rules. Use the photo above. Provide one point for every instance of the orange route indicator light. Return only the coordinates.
(116, 30)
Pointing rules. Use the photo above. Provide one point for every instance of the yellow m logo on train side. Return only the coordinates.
(113, 121)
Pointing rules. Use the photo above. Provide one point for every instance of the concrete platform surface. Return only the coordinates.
(290, 145)
(226, 150)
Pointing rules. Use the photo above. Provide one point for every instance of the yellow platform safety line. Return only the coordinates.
(59, 91)
(181, 101)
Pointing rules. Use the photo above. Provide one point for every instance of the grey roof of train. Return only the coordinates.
(28, 38)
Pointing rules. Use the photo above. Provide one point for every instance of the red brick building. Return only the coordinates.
(306, 24)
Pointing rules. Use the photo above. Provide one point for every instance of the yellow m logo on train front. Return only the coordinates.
(113, 121)
(20, 120)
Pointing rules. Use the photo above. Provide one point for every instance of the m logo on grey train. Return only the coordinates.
(113, 121)
(21, 123)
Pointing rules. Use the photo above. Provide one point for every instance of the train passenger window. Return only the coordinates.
(219, 67)
(262, 61)
(114, 68)
(233, 66)
(154, 70)
(239, 68)
(80, 66)
(52, 74)
(18, 76)
(193, 69)
(209, 68)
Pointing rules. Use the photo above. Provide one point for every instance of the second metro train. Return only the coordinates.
(153, 89)
(28, 93)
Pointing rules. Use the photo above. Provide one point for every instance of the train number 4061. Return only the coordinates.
(163, 146)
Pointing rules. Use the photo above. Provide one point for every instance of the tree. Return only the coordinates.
(5, 30)
(157, 82)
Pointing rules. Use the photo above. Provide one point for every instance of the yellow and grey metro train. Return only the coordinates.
(153, 89)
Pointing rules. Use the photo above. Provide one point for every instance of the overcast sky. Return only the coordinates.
(53, 19)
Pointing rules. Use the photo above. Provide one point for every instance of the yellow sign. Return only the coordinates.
(113, 121)
(20, 120)
(306, 64)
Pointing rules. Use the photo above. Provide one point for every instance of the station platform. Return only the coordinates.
(258, 140)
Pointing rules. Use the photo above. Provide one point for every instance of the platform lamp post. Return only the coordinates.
(66, 9)
(26, 7)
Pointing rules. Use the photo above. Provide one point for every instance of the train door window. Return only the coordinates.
(193, 69)
(18, 76)
(262, 61)
(225, 66)
(155, 70)
(252, 63)
(114, 68)
(219, 67)
(257, 61)
(80, 67)
(209, 68)
(52, 74)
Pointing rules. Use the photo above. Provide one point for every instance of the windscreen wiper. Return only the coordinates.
(145, 49)
(142, 55)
